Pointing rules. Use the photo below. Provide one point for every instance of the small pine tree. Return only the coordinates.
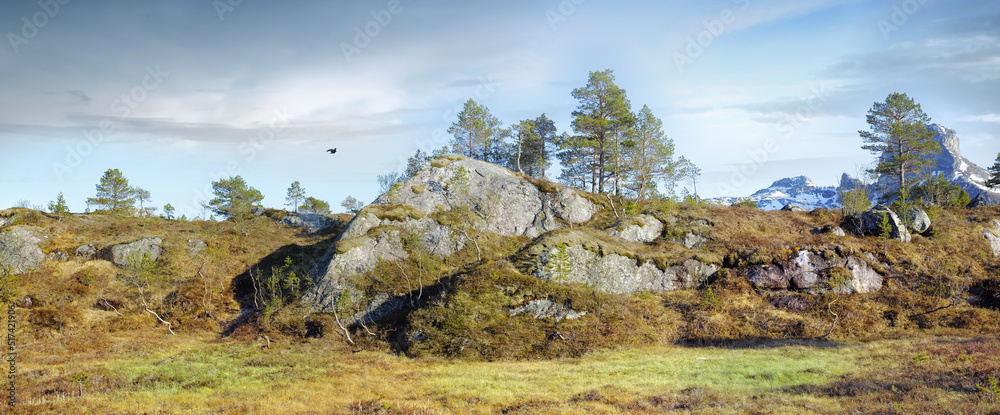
(233, 198)
(314, 205)
(59, 207)
(295, 194)
(994, 180)
(114, 194)
(168, 211)
(352, 205)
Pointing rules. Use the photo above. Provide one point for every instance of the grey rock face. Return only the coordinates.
(691, 240)
(57, 256)
(792, 208)
(312, 222)
(870, 223)
(618, 274)
(435, 204)
(920, 221)
(641, 228)
(540, 309)
(805, 273)
(125, 255)
(196, 246)
(258, 210)
(19, 251)
(993, 237)
(982, 199)
(86, 251)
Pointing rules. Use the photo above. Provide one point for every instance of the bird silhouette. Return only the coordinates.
(332, 150)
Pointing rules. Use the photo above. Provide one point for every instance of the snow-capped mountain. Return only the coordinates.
(957, 169)
(798, 191)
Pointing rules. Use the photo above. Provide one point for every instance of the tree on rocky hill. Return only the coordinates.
(528, 153)
(478, 133)
(650, 157)
(352, 205)
(59, 207)
(994, 180)
(114, 194)
(168, 211)
(601, 121)
(314, 205)
(142, 195)
(900, 137)
(295, 194)
(233, 198)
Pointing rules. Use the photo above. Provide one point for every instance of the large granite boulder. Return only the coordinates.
(640, 228)
(870, 223)
(312, 222)
(993, 237)
(438, 207)
(812, 273)
(19, 251)
(128, 254)
(918, 221)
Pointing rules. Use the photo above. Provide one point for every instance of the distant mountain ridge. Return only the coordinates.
(802, 192)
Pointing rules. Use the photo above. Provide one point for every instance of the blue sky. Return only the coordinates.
(178, 94)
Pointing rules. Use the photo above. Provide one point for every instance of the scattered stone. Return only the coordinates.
(834, 229)
(57, 256)
(125, 255)
(993, 237)
(540, 309)
(86, 251)
(792, 208)
(19, 251)
(196, 246)
(691, 240)
(921, 223)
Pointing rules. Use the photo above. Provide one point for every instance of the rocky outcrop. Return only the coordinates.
(812, 273)
(540, 309)
(792, 208)
(86, 251)
(312, 222)
(640, 228)
(196, 246)
(919, 222)
(439, 207)
(607, 264)
(982, 199)
(870, 223)
(128, 254)
(993, 237)
(19, 251)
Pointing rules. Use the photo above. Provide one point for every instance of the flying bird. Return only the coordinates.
(332, 151)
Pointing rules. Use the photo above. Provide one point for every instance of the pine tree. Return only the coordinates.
(295, 194)
(477, 133)
(142, 195)
(114, 194)
(900, 136)
(233, 198)
(601, 120)
(168, 211)
(352, 205)
(58, 206)
(651, 157)
(994, 180)
(314, 205)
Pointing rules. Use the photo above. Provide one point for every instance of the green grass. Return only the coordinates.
(646, 371)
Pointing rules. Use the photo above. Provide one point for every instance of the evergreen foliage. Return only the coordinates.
(233, 198)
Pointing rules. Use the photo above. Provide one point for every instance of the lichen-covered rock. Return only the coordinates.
(919, 222)
(993, 237)
(312, 222)
(439, 206)
(540, 309)
(692, 240)
(641, 228)
(870, 223)
(86, 251)
(58, 256)
(811, 273)
(196, 246)
(128, 254)
(19, 251)
(616, 273)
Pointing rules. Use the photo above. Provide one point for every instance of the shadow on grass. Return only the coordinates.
(759, 343)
